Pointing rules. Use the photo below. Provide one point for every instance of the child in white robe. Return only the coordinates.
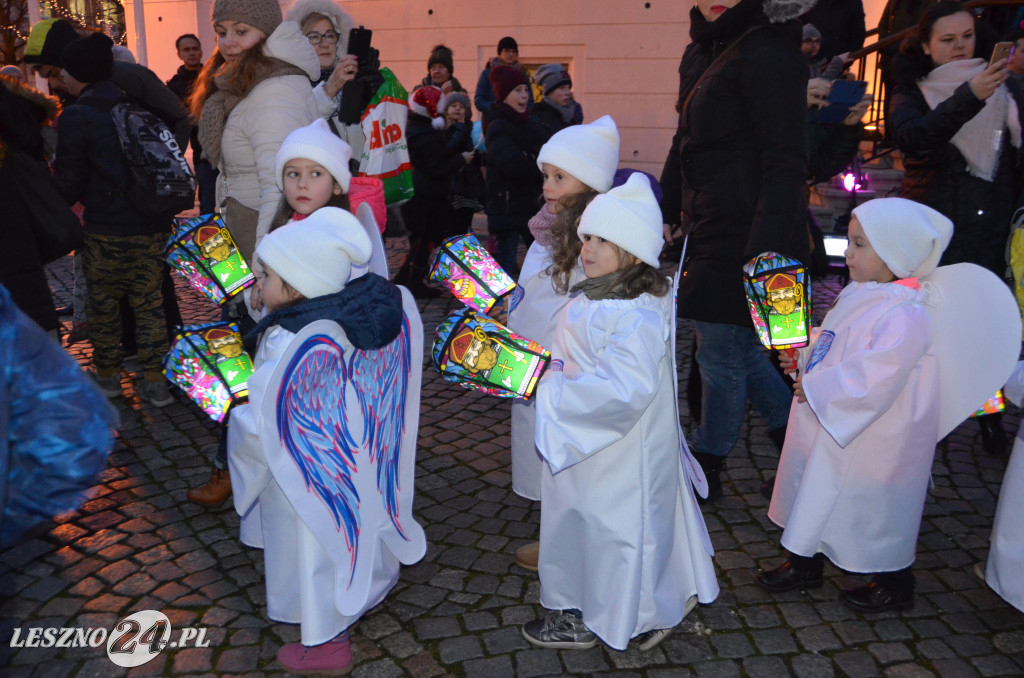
(871, 400)
(577, 163)
(623, 546)
(297, 447)
(1006, 555)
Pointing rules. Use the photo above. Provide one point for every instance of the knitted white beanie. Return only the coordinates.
(588, 152)
(629, 216)
(315, 255)
(315, 142)
(908, 236)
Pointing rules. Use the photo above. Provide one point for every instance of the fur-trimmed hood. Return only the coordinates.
(50, 105)
(341, 21)
(778, 11)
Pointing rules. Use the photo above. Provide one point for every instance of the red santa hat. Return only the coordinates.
(427, 101)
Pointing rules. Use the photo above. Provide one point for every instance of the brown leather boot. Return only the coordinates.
(215, 492)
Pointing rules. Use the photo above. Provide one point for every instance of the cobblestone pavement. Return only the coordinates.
(139, 544)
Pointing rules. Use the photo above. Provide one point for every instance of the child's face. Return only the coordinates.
(456, 112)
(518, 98)
(601, 257)
(273, 290)
(308, 186)
(561, 95)
(865, 264)
(557, 185)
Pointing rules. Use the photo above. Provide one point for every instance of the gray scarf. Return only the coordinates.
(566, 111)
(606, 287)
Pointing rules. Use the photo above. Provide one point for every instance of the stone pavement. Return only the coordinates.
(139, 544)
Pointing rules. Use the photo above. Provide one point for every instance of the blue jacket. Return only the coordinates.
(369, 309)
(57, 427)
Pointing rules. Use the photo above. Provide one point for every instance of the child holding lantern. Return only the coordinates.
(624, 551)
(890, 373)
(577, 163)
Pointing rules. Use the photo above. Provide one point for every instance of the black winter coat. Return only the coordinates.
(738, 161)
(91, 168)
(936, 173)
(550, 118)
(513, 179)
(433, 165)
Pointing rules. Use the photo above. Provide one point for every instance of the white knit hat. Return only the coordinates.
(315, 255)
(908, 236)
(629, 216)
(588, 152)
(315, 142)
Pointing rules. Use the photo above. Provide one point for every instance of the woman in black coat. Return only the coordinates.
(428, 215)
(736, 173)
(970, 108)
(513, 141)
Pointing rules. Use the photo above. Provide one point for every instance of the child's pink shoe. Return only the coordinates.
(331, 658)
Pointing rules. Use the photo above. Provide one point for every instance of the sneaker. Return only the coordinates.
(333, 658)
(109, 385)
(650, 639)
(155, 393)
(559, 630)
(526, 556)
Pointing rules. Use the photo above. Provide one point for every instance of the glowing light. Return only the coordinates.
(849, 182)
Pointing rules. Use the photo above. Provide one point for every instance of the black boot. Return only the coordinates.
(712, 467)
(993, 437)
(778, 437)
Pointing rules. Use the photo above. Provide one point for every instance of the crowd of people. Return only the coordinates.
(856, 414)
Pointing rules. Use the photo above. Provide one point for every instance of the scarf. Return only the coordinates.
(606, 287)
(566, 111)
(979, 140)
(219, 105)
(540, 226)
(503, 110)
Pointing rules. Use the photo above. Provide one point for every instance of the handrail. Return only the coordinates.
(898, 36)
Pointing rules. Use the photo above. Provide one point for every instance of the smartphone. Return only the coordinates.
(844, 94)
(359, 43)
(1002, 50)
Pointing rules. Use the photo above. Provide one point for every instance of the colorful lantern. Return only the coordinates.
(201, 249)
(993, 405)
(469, 271)
(481, 354)
(208, 363)
(779, 295)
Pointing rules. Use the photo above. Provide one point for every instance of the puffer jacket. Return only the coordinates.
(257, 126)
(738, 161)
(513, 180)
(90, 167)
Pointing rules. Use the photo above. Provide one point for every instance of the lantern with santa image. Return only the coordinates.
(201, 249)
(779, 294)
(208, 363)
(461, 264)
(479, 353)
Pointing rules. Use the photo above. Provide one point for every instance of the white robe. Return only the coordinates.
(1005, 569)
(621, 537)
(307, 570)
(854, 471)
(535, 316)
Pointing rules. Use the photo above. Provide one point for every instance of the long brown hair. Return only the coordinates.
(239, 75)
(640, 277)
(565, 250)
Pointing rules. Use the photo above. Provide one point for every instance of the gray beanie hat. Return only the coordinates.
(262, 14)
(552, 76)
(811, 31)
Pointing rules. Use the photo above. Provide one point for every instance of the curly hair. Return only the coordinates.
(640, 278)
(565, 251)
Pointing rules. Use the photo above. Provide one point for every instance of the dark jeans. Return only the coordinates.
(206, 176)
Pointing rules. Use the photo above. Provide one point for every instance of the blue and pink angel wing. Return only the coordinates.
(381, 381)
(312, 427)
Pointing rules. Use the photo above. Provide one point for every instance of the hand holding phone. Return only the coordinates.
(1002, 50)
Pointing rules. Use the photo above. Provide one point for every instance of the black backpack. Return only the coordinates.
(162, 184)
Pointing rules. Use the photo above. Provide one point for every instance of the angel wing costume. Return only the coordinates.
(892, 371)
(322, 461)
